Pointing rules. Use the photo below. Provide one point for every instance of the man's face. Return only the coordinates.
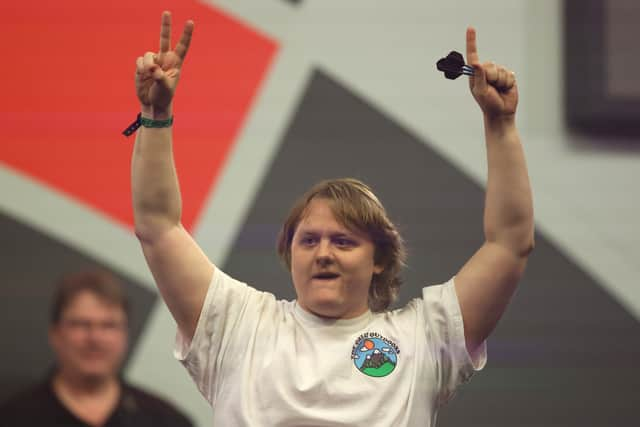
(331, 266)
(90, 339)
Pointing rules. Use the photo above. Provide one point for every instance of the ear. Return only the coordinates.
(377, 269)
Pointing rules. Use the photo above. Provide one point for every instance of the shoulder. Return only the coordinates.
(410, 310)
(135, 398)
(437, 300)
(33, 400)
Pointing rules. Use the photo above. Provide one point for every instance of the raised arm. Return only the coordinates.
(180, 268)
(487, 281)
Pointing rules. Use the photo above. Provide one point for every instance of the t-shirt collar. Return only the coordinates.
(353, 323)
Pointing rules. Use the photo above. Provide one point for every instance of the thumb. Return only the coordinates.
(160, 77)
(478, 83)
(163, 91)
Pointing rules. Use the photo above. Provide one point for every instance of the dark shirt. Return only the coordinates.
(40, 406)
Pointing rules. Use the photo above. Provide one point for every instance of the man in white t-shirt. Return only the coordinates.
(334, 356)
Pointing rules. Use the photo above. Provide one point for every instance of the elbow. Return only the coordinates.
(149, 229)
(524, 243)
(155, 214)
(529, 240)
(521, 243)
(527, 248)
(143, 234)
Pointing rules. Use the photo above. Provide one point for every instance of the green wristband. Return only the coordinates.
(150, 123)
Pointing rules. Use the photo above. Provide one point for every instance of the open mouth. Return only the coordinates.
(326, 276)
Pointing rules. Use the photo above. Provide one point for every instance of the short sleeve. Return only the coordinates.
(445, 338)
(229, 311)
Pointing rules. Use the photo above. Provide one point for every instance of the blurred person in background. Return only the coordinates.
(88, 333)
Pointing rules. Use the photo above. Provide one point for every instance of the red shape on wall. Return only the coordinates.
(69, 92)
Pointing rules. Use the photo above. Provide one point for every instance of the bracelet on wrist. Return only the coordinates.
(148, 123)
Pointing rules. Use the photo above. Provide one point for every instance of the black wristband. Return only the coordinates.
(148, 123)
(133, 126)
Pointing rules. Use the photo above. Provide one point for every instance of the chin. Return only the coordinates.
(97, 371)
(326, 307)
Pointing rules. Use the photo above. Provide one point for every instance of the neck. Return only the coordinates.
(78, 385)
(92, 400)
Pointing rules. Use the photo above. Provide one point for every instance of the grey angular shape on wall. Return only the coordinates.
(564, 352)
(31, 263)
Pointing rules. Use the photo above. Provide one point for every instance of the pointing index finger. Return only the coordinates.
(165, 32)
(472, 48)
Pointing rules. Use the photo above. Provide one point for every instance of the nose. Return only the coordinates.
(324, 254)
(95, 332)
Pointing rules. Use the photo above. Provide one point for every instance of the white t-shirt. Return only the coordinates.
(266, 362)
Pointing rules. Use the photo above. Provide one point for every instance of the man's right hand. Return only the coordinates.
(157, 74)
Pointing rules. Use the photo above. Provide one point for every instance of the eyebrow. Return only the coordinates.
(332, 234)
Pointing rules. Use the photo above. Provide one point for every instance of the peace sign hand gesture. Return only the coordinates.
(157, 74)
(493, 86)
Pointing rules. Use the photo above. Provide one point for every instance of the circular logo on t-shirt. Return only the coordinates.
(375, 355)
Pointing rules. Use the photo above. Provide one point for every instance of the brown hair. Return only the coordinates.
(357, 208)
(99, 282)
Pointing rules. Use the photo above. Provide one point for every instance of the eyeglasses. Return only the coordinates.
(86, 325)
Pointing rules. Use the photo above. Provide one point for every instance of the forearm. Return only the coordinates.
(157, 203)
(508, 216)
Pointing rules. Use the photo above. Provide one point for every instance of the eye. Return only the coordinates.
(344, 242)
(308, 240)
(77, 324)
(112, 326)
